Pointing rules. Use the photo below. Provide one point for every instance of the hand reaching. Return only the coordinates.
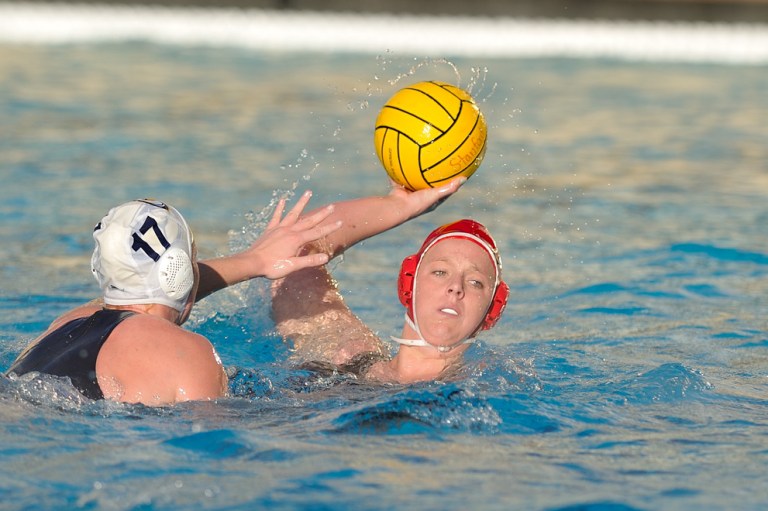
(278, 246)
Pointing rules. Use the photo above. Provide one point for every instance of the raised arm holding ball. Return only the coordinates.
(430, 137)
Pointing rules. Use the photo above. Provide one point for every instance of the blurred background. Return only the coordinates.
(748, 11)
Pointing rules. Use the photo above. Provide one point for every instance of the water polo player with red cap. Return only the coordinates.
(452, 288)
(462, 230)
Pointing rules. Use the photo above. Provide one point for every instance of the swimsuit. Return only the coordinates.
(71, 350)
(357, 366)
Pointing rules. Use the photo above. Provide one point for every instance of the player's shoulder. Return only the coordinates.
(81, 311)
(146, 330)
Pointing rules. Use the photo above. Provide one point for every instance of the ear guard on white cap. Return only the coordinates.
(174, 273)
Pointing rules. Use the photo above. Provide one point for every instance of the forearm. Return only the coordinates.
(216, 274)
(366, 217)
(362, 219)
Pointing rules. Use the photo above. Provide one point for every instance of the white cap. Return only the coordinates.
(143, 254)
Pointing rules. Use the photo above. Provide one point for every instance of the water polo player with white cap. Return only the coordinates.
(143, 255)
(128, 345)
(452, 288)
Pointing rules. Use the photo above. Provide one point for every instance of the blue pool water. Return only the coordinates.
(629, 201)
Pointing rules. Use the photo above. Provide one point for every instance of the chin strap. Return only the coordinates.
(420, 342)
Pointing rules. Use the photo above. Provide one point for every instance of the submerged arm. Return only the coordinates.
(307, 306)
(309, 310)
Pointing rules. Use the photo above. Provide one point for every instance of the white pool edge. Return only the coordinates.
(291, 31)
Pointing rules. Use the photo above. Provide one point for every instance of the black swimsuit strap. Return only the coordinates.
(72, 349)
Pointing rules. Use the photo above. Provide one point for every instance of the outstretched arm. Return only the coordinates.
(275, 253)
(307, 306)
(365, 217)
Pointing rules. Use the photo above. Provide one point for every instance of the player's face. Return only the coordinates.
(454, 286)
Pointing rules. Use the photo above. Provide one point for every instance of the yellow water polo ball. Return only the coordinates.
(429, 133)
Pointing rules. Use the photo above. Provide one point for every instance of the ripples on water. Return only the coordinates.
(629, 202)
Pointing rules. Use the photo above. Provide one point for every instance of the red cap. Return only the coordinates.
(466, 229)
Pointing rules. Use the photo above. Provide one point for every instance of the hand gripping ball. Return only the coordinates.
(429, 133)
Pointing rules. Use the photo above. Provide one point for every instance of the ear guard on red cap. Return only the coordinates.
(410, 264)
(405, 292)
(498, 304)
(406, 278)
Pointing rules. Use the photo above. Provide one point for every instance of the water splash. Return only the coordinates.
(438, 64)
(256, 221)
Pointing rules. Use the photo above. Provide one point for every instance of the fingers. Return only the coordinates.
(447, 189)
(452, 186)
(295, 213)
(309, 261)
(431, 198)
(325, 230)
(275, 220)
(315, 219)
(284, 267)
(314, 233)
